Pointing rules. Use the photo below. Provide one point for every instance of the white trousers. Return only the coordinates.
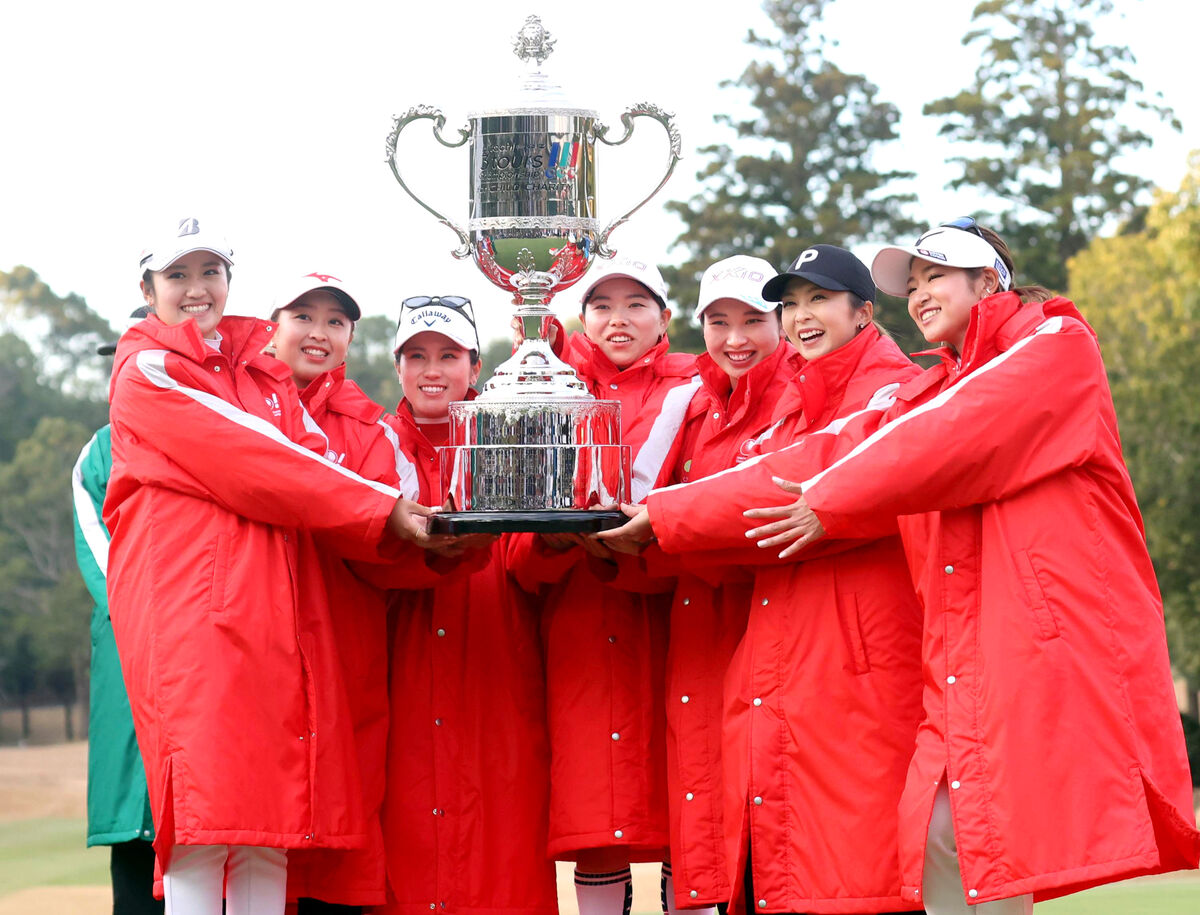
(253, 880)
(942, 885)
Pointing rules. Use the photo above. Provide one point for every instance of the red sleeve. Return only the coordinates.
(706, 514)
(201, 442)
(1029, 413)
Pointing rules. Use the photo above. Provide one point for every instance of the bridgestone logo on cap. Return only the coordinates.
(189, 227)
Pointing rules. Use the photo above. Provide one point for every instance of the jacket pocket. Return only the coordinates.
(220, 573)
(847, 607)
(1043, 617)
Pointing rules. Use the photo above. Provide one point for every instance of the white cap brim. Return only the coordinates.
(439, 319)
(944, 245)
(156, 263)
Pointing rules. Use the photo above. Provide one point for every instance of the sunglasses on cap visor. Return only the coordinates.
(966, 223)
(457, 302)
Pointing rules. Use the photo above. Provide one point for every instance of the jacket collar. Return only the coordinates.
(590, 361)
(820, 383)
(242, 340)
(752, 386)
(333, 392)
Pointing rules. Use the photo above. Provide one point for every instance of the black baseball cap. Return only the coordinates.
(828, 267)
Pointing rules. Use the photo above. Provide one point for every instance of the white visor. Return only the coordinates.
(943, 245)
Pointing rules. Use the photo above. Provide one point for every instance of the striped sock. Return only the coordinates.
(604, 894)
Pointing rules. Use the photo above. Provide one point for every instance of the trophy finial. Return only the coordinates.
(533, 42)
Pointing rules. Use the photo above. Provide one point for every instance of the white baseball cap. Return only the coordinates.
(186, 237)
(740, 277)
(634, 268)
(954, 245)
(449, 315)
(295, 286)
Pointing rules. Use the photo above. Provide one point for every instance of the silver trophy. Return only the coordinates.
(535, 451)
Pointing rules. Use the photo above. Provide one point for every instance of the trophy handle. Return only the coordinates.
(667, 119)
(401, 121)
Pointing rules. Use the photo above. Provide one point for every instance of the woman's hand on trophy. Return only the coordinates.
(797, 526)
(632, 536)
(409, 520)
(549, 327)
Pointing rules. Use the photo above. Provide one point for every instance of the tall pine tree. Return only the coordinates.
(803, 169)
(1049, 114)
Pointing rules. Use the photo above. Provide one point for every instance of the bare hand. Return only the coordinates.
(798, 524)
(549, 329)
(409, 520)
(632, 536)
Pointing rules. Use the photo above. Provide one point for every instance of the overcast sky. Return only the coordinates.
(270, 119)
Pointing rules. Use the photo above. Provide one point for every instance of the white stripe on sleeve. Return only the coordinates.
(95, 534)
(152, 364)
(1049, 326)
(880, 401)
(648, 464)
(406, 470)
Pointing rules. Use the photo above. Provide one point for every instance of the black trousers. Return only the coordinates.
(131, 865)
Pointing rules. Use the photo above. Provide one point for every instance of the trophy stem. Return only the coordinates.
(534, 371)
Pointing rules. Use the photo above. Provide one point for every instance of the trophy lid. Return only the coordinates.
(538, 92)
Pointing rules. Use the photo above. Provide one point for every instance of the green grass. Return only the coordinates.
(1150, 896)
(49, 852)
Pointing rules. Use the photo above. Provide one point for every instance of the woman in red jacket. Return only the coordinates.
(744, 372)
(465, 810)
(221, 657)
(1047, 682)
(315, 316)
(834, 638)
(605, 648)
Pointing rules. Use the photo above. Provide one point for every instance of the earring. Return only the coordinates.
(861, 326)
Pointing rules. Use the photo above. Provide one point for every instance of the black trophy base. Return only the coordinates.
(556, 521)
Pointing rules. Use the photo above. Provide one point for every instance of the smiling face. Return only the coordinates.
(818, 321)
(940, 299)
(434, 372)
(195, 286)
(738, 336)
(313, 336)
(624, 320)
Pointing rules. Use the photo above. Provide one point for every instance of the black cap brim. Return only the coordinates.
(773, 290)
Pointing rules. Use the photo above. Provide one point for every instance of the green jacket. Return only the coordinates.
(117, 803)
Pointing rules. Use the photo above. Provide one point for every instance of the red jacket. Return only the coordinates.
(359, 440)
(834, 639)
(708, 619)
(468, 763)
(605, 649)
(244, 733)
(1047, 682)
